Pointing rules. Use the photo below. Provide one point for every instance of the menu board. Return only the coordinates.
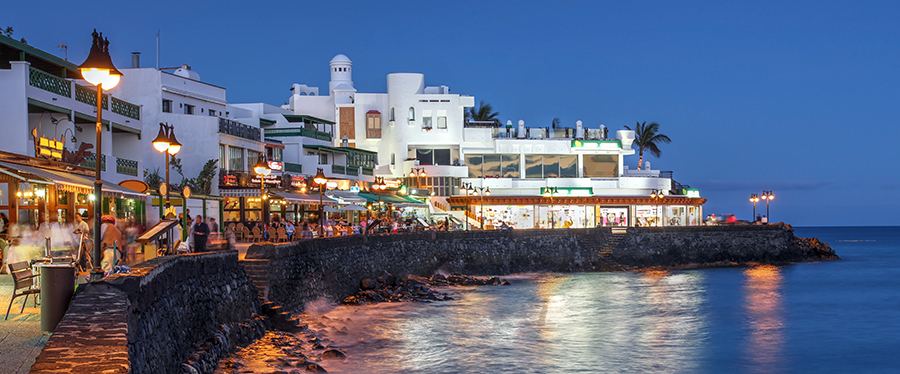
(154, 232)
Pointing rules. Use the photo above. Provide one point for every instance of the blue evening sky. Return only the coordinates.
(798, 98)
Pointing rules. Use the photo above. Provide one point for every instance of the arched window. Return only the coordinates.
(392, 113)
(412, 114)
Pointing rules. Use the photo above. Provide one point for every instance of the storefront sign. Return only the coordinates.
(392, 184)
(275, 165)
(270, 179)
(297, 182)
(230, 180)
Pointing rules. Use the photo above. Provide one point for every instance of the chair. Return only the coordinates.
(272, 234)
(257, 234)
(23, 279)
(282, 234)
(240, 230)
(246, 235)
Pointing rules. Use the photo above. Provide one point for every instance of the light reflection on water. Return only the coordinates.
(762, 287)
(596, 322)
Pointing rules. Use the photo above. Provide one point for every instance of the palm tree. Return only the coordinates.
(646, 137)
(483, 113)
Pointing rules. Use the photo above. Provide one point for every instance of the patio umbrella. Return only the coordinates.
(330, 209)
(354, 207)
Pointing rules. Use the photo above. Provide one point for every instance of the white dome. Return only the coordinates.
(187, 73)
(340, 58)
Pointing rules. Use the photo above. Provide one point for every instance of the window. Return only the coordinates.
(441, 157)
(412, 114)
(188, 109)
(601, 166)
(534, 166)
(373, 125)
(252, 159)
(568, 166)
(222, 157)
(392, 114)
(509, 166)
(323, 159)
(551, 166)
(167, 106)
(474, 164)
(393, 159)
(211, 112)
(235, 159)
(442, 123)
(491, 166)
(425, 156)
(426, 123)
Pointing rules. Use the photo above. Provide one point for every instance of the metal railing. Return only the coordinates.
(90, 162)
(353, 171)
(338, 169)
(299, 131)
(368, 171)
(126, 166)
(293, 168)
(234, 128)
(126, 109)
(49, 82)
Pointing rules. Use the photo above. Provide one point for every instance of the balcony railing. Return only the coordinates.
(49, 82)
(353, 171)
(293, 168)
(126, 109)
(234, 128)
(127, 167)
(299, 131)
(368, 171)
(338, 169)
(90, 162)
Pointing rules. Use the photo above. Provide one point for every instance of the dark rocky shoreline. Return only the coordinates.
(412, 288)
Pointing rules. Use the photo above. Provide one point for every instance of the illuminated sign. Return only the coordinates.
(354, 189)
(270, 179)
(275, 165)
(229, 179)
(46, 148)
(691, 192)
(392, 184)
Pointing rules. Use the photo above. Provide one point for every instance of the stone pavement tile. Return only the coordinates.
(21, 338)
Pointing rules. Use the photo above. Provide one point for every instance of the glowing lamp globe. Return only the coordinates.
(98, 68)
(161, 143)
(174, 145)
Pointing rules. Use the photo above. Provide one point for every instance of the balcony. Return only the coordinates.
(338, 169)
(234, 128)
(90, 162)
(126, 167)
(299, 131)
(86, 95)
(293, 168)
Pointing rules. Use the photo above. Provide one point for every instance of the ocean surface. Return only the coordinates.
(825, 317)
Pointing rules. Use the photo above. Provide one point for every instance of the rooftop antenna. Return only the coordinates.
(157, 49)
(64, 47)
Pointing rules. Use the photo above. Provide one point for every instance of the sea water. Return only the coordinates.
(823, 317)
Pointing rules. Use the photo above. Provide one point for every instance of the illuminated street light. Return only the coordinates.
(767, 196)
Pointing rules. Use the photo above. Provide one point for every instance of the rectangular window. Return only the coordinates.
(441, 157)
(509, 166)
(474, 164)
(373, 126)
(188, 109)
(551, 166)
(426, 123)
(412, 114)
(211, 112)
(167, 106)
(442, 123)
(601, 166)
(425, 156)
(491, 166)
(534, 166)
(252, 159)
(323, 159)
(393, 159)
(222, 157)
(235, 159)
(568, 167)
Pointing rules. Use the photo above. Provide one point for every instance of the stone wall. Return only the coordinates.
(333, 268)
(169, 311)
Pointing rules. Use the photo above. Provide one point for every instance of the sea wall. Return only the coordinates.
(168, 311)
(333, 268)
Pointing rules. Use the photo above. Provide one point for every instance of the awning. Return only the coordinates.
(74, 183)
(300, 198)
(393, 199)
(239, 192)
(346, 197)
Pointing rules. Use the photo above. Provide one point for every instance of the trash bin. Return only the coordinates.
(57, 288)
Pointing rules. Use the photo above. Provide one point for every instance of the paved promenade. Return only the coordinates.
(21, 339)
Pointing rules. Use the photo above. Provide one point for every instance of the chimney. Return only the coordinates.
(135, 60)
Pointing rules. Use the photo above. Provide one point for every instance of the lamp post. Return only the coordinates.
(754, 199)
(166, 143)
(99, 70)
(262, 168)
(549, 192)
(478, 191)
(321, 181)
(379, 186)
(657, 196)
(767, 196)
(417, 173)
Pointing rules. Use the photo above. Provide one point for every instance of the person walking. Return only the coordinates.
(110, 241)
(200, 234)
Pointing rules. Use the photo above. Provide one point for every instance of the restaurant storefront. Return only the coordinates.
(525, 212)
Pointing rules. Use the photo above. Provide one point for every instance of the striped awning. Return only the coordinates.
(239, 192)
(301, 198)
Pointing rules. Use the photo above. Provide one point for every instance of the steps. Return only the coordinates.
(605, 244)
(258, 272)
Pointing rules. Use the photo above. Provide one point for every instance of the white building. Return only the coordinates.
(43, 95)
(415, 128)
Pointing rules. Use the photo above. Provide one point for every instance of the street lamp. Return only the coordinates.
(476, 191)
(549, 192)
(754, 199)
(657, 196)
(767, 196)
(321, 181)
(416, 173)
(379, 186)
(99, 70)
(262, 168)
(166, 143)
